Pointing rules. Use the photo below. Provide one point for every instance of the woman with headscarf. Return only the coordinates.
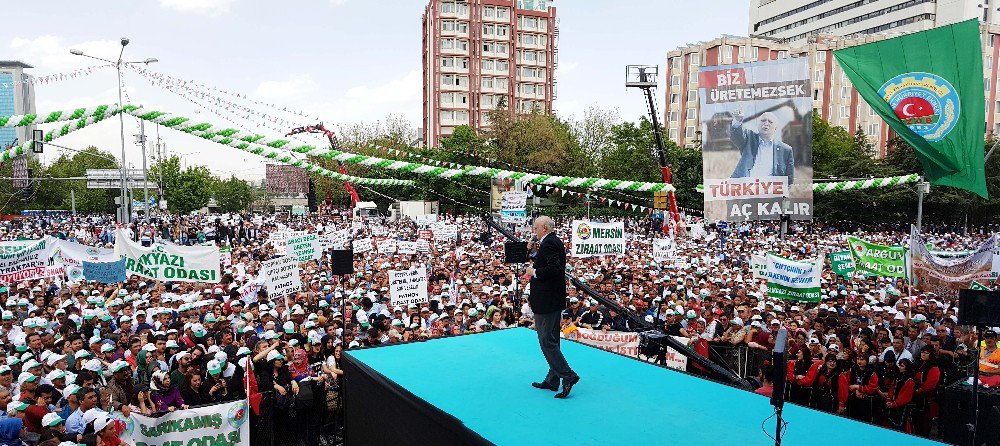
(10, 432)
(166, 394)
(299, 367)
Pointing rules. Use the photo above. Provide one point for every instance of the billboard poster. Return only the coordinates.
(756, 123)
(286, 180)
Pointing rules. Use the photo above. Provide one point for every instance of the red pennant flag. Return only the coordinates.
(252, 393)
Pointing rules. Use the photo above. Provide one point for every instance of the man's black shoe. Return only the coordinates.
(567, 386)
(544, 386)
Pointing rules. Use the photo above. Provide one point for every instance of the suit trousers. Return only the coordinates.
(547, 327)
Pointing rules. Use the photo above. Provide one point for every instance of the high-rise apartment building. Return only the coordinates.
(797, 21)
(17, 97)
(478, 54)
(814, 29)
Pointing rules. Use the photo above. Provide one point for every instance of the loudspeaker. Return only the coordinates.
(342, 262)
(515, 252)
(979, 307)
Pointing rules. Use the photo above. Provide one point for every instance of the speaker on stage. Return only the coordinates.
(515, 252)
(979, 307)
(342, 262)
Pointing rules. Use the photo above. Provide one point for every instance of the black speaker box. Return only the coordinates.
(515, 252)
(342, 262)
(979, 307)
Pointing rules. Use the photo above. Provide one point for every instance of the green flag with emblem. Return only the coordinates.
(928, 86)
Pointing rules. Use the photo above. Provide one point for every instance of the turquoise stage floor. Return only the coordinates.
(484, 380)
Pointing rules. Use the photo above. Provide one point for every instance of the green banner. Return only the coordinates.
(878, 260)
(978, 286)
(842, 263)
(928, 86)
(794, 280)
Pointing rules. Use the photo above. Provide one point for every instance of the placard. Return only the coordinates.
(405, 247)
(282, 276)
(169, 262)
(304, 247)
(387, 246)
(408, 287)
(598, 239)
(362, 245)
(227, 423)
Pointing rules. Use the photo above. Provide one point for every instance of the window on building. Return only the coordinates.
(689, 131)
(447, 44)
(845, 92)
(692, 95)
(503, 13)
(693, 77)
(986, 84)
(675, 98)
(755, 54)
(489, 12)
(502, 66)
(672, 134)
(818, 94)
(689, 113)
(782, 54)
(675, 62)
(489, 29)
(988, 62)
(819, 74)
(742, 53)
(674, 116)
(727, 53)
(486, 82)
(873, 129)
(488, 65)
(695, 59)
(821, 57)
(845, 111)
(448, 62)
(675, 80)
(447, 98)
(500, 84)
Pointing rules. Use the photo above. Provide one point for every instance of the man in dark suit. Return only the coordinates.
(760, 154)
(548, 299)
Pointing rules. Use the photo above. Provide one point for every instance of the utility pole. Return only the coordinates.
(72, 200)
(140, 139)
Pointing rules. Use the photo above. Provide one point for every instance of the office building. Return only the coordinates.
(796, 22)
(478, 54)
(17, 97)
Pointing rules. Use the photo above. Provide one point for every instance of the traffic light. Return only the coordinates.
(38, 141)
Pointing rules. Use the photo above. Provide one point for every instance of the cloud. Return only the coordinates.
(337, 2)
(50, 53)
(567, 68)
(211, 8)
(398, 89)
(288, 89)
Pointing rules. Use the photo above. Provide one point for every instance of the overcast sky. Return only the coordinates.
(345, 61)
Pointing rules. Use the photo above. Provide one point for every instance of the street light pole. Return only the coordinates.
(145, 173)
(126, 215)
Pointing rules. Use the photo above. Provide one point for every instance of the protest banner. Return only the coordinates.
(15, 245)
(513, 207)
(664, 249)
(627, 343)
(169, 262)
(978, 286)
(105, 272)
(425, 219)
(425, 234)
(387, 246)
(405, 247)
(423, 246)
(219, 424)
(842, 263)
(945, 276)
(248, 292)
(756, 124)
(282, 276)
(304, 247)
(408, 287)
(74, 254)
(361, 245)
(28, 262)
(758, 266)
(878, 260)
(445, 232)
(226, 255)
(335, 239)
(794, 280)
(598, 239)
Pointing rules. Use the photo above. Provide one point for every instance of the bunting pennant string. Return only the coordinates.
(209, 89)
(416, 168)
(55, 77)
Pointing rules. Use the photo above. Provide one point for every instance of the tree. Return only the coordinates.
(56, 194)
(185, 190)
(234, 195)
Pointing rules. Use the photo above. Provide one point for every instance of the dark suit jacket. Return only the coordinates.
(748, 142)
(548, 287)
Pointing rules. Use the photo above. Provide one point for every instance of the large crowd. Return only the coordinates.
(81, 356)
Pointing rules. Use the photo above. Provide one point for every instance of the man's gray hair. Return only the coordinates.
(546, 222)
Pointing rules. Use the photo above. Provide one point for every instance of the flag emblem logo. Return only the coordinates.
(926, 103)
